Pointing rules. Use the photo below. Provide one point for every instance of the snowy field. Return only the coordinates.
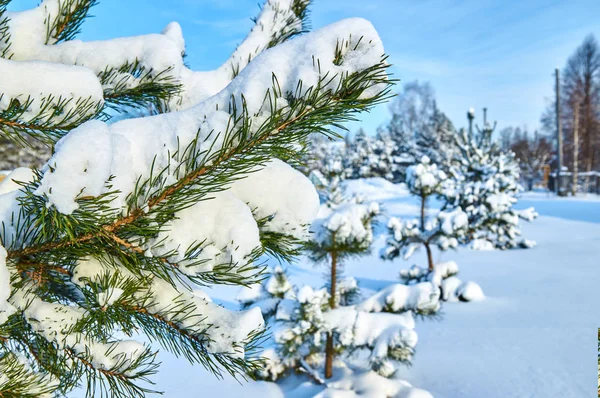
(533, 336)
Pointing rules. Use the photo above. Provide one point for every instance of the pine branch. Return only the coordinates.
(314, 113)
(51, 121)
(150, 88)
(4, 32)
(67, 23)
(20, 381)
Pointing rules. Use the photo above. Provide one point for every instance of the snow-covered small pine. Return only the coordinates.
(445, 230)
(487, 191)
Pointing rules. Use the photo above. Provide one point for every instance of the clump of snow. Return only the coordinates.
(348, 224)
(482, 245)
(442, 278)
(39, 84)
(222, 225)
(291, 202)
(449, 287)
(469, 291)
(424, 177)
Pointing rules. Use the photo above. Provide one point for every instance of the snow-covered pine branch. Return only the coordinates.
(126, 221)
(52, 83)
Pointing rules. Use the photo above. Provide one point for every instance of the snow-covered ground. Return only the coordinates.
(533, 336)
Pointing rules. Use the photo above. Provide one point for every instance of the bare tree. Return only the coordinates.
(581, 88)
(532, 154)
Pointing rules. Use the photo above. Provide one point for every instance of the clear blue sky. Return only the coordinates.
(495, 53)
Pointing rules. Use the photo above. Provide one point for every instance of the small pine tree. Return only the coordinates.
(346, 231)
(487, 190)
(426, 181)
(119, 230)
(445, 231)
(312, 328)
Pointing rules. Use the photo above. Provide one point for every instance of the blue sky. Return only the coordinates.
(495, 53)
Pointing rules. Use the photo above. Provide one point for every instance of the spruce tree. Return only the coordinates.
(118, 231)
(488, 186)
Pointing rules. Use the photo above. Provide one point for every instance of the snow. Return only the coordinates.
(351, 384)
(425, 177)
(198, 313)
(292, 200)
(348, 223)
(55, 321)
(470, 291)
(34, 81)
(10, 182)
(222, 225)
(398, 298)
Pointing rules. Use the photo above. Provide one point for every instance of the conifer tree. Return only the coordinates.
(426, 181)
(314, 328)
(487, 189)
(122, 226)
(446, 230)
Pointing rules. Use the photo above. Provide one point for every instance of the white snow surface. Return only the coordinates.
(533, 336)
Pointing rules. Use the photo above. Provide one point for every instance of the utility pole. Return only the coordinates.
(484, 117)
(559, 137)
(575, 147)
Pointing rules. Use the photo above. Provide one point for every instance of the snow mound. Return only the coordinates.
(469, 291)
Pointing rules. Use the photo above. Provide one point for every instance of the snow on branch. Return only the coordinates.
(46, 100)
(129, 67)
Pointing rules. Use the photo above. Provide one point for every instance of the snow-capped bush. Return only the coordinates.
(487, 190)
(443, 279)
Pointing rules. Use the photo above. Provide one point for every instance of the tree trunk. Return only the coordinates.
(429, 256)
(329, 346)
(423, 206)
